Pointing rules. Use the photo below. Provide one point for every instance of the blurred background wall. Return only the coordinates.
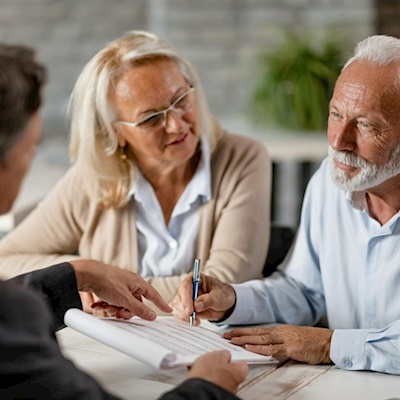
(222, 38)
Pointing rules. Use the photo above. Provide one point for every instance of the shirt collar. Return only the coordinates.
(357, 200)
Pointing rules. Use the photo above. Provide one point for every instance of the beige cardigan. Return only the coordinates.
(233, 235)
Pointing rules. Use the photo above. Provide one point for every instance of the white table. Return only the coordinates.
(296, 381)
(131, 379)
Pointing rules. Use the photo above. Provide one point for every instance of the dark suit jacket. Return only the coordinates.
(31, 364)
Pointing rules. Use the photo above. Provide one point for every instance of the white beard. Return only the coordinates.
(369, 175)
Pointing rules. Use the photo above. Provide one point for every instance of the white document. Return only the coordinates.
(163, 343)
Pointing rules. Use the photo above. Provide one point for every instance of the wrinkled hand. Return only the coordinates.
(120, 290)
(216, 367)
(301, 343)
(214, 300)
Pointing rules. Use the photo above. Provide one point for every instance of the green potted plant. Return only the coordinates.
(296, 83)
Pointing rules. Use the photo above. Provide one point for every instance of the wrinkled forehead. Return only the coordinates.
(380, 79)
(370, 85)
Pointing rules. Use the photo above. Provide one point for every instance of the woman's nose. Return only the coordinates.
(174, 121)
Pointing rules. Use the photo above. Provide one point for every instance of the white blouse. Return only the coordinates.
(170, 250)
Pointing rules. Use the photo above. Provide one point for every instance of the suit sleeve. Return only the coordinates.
(31, 363)
(57, 286)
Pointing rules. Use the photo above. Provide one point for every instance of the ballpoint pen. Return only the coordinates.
(196, 280)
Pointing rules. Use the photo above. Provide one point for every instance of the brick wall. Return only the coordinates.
(221, 37)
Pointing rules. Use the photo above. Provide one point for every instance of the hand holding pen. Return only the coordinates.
(196, 281)
(215, 300)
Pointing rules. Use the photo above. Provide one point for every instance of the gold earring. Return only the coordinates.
(122, 154)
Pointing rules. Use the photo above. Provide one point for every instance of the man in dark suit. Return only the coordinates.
(32, 306)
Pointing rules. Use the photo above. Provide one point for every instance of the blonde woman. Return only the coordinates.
(156, 182)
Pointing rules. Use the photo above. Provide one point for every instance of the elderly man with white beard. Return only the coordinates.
(345, 261)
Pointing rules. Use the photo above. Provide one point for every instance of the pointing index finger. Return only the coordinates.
(151, 294)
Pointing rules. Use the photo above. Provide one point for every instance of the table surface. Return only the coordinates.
(131, 379)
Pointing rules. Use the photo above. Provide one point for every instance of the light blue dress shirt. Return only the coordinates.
(344, 264)
(170, 250)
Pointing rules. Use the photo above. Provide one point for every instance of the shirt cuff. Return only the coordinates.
(240, 310)
(348, 348)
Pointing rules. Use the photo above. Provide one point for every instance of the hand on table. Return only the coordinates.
(301, 343)
(216, 367)
(120, 290)
(214, 300)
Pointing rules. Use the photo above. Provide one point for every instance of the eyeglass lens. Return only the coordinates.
(179, 106)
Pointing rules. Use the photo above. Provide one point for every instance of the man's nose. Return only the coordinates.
(342, 137)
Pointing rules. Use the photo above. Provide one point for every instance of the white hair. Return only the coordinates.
(378, 49)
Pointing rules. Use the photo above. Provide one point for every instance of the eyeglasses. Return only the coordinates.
(158, 119)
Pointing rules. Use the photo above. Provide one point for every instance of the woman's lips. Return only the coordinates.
(179, 141)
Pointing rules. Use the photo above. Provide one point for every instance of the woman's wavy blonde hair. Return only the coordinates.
(93, 142)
